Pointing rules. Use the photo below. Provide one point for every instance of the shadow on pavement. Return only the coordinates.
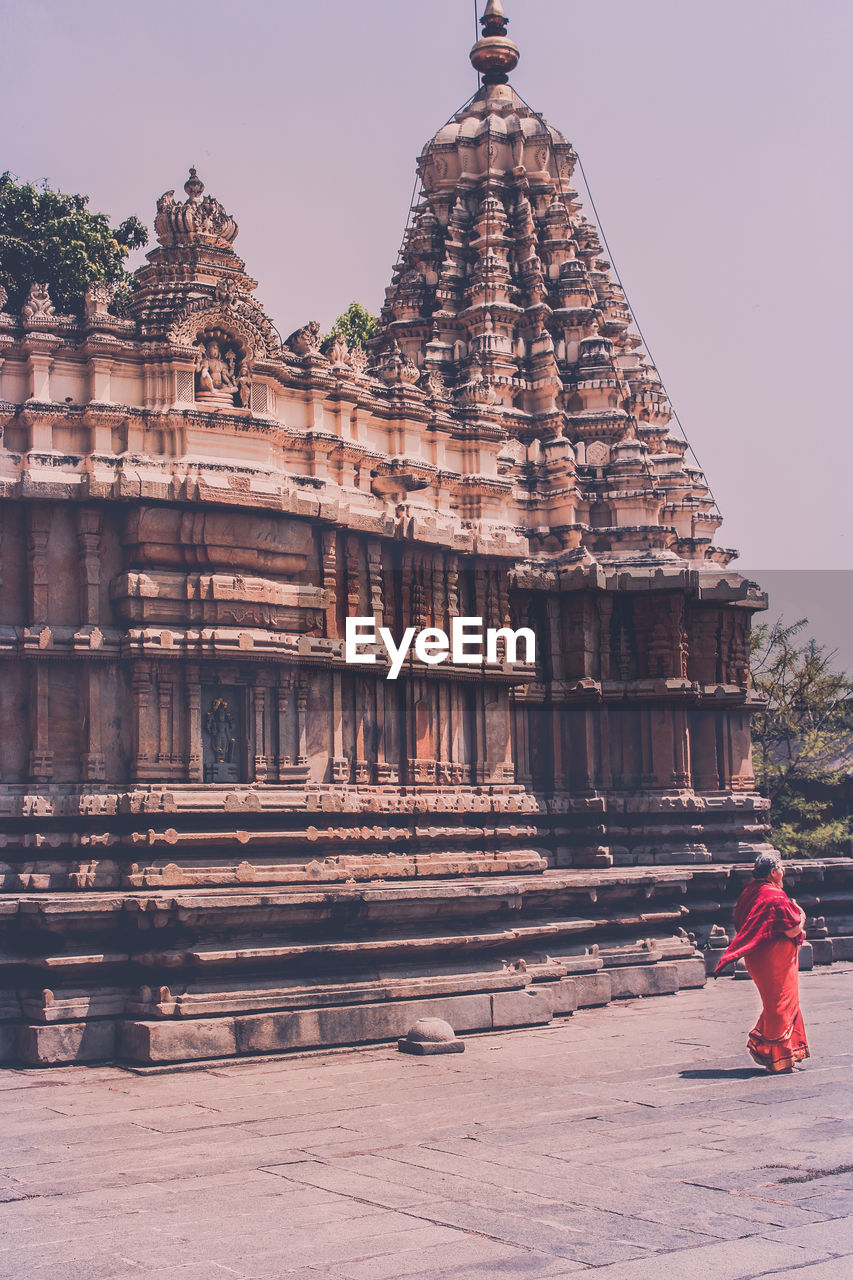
(722, 1073)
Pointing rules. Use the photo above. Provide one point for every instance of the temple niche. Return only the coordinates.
(223, 371)
(221, 838)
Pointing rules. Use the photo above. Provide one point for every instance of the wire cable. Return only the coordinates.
(633, 313)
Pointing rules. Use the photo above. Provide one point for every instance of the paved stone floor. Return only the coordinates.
(636, 1140)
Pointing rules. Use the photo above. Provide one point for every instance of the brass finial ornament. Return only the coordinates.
(495, 55)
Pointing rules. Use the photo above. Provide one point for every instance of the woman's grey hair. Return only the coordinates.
(764, 864)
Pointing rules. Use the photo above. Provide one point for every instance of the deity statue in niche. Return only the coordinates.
(244, 381)
(223, 371)
(219, 724)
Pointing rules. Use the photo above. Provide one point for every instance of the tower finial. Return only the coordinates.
(495, 54)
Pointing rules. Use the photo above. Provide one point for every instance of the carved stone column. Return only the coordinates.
(41, 757)
(452, 586)
(363, 710)
(374, 573)
(444, 749)
(38, 536)
(93, 762)
(353, 554)
(302, 723)
(330, 581)
(283, 760)
(439, 599)
(703, 750)
(524, 772)
(165, 707)
(195, 752)
(140, 689)
(339, 765)
(387, 771)
(605, 615)
(89, 521)
(100, 370)
(740, 750)
(681, 747)
(259, 706)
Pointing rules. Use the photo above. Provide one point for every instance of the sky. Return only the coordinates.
(714, 137)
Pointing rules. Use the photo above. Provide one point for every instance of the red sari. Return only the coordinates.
(762, 914)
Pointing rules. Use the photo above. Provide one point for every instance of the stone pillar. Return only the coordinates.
(283, 760)
(353, 557)
(140, 689)
(605, 616)
(452, 586)
(740, 748)
(374, 573)
(681, 747)
(553, 614)
(195, 751)
(460, 770)
(89, 521)
(605, 739)
(439, 601)
(703, 750)
(302, 722)
(330, 582)
(387, 771)
(339, 765)
(583, 747)
(480, 772)
(647, 766)
(724, 749)
(165, 695)
(362, 707)
(93, 763)
(661, 746)
(100, 368)
(39, 351)
(443, 748)
(41, 757)
(38, 535)
(523, 771)
(259, 708)
(498, 761)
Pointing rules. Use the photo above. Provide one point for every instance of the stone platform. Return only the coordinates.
(632, 1141)
(231, 946)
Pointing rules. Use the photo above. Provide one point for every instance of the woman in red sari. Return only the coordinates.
(769, 935)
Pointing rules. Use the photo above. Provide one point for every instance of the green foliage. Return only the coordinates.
(47, 236)
(356, 325)
(802, 740)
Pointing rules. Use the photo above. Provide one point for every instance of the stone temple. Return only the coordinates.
(219, 838)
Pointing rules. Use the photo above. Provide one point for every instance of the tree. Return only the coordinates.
(356, 325)
(53, 238)
(803, 740)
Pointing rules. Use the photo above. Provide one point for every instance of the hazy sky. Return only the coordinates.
(715, 138)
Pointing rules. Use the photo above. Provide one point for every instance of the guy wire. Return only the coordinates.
(633, 313)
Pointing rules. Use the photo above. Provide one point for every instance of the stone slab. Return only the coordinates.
(645, 980)
(691, 973)
(177, 1041)
(564, 995)
(525, 1008)
(40, 1045)
(593, 989)
(357, 1024)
